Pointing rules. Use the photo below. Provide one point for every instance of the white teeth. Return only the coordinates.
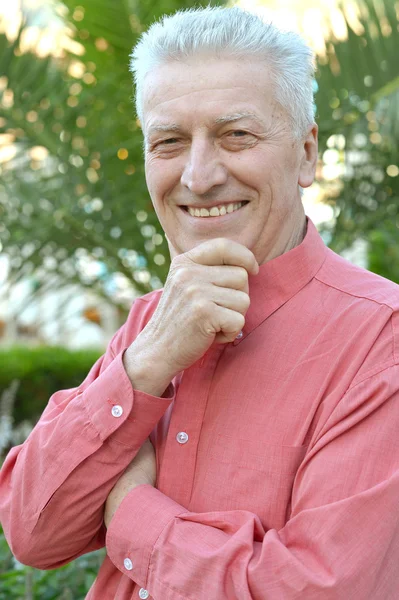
(215, 211)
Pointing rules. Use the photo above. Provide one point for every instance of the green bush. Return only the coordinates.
(40, 372)
(71, 582)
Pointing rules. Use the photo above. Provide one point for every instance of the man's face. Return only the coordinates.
(216, 139)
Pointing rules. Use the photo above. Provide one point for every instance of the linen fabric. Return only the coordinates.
(284, 480)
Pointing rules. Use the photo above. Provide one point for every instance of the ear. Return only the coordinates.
(309, 149)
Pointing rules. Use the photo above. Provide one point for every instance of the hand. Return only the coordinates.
(205, 300)
(141, 470)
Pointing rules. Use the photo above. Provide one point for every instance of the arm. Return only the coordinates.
(54, 486)
(341, 540)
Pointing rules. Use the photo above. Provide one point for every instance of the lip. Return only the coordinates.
(209, 206)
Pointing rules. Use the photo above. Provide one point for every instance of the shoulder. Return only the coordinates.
(369, 307)
(356, 282)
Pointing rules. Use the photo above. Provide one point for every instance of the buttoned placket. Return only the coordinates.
(185, 428)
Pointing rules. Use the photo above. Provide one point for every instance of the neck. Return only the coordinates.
(291, 236)
(297, 236)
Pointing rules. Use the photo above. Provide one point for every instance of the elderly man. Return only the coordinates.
(265, 374)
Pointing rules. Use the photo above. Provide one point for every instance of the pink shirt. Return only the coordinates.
(277, 455)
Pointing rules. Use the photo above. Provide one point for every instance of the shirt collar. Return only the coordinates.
(282, 277)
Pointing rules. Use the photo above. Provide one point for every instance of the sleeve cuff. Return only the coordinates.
(114, 407)
(135, 528)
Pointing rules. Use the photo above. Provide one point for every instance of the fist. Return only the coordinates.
(205, 300)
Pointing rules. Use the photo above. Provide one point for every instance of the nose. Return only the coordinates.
(203, 169)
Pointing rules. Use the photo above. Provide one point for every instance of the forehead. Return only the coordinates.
(211, 89)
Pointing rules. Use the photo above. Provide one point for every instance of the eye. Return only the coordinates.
(239, 139)
(167, 142)
(239, 133)
(166, 145)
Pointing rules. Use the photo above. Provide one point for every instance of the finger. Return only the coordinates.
(230, 324)
(235, 300)
(195, 277)
(221, 251)
(229, 277)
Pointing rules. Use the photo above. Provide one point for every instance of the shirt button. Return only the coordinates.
(117, 411)
(182, 437)
(143, 593)
(240, 336)
(128, 564)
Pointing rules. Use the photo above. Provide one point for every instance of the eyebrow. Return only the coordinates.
(219, 121)
(237, 117)
(160, 127)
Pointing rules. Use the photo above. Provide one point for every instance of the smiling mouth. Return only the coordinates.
(215, 211)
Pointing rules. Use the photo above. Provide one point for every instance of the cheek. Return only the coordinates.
(160, 179)
(149, 175)
(155, 181)
(253, 168)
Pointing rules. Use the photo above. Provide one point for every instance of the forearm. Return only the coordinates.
(52, 520)
(54, 487)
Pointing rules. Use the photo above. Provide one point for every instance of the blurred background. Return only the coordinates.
(79, 239)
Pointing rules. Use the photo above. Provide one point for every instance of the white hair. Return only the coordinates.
(233, 32)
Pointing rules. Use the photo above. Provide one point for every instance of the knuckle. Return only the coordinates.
(240, 321)
(182, 275)
(191, 291)
(242, 276)
(221, 245)
(189, 257)
(199, 308)
(224, 246)
(246, 301)
(177, 261)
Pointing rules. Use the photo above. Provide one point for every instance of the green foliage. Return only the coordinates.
(89, 198)
(71, 582)
(89, 201)
(358, 101)
(41, 371)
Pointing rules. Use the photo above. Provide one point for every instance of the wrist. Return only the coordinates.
(147, 372)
